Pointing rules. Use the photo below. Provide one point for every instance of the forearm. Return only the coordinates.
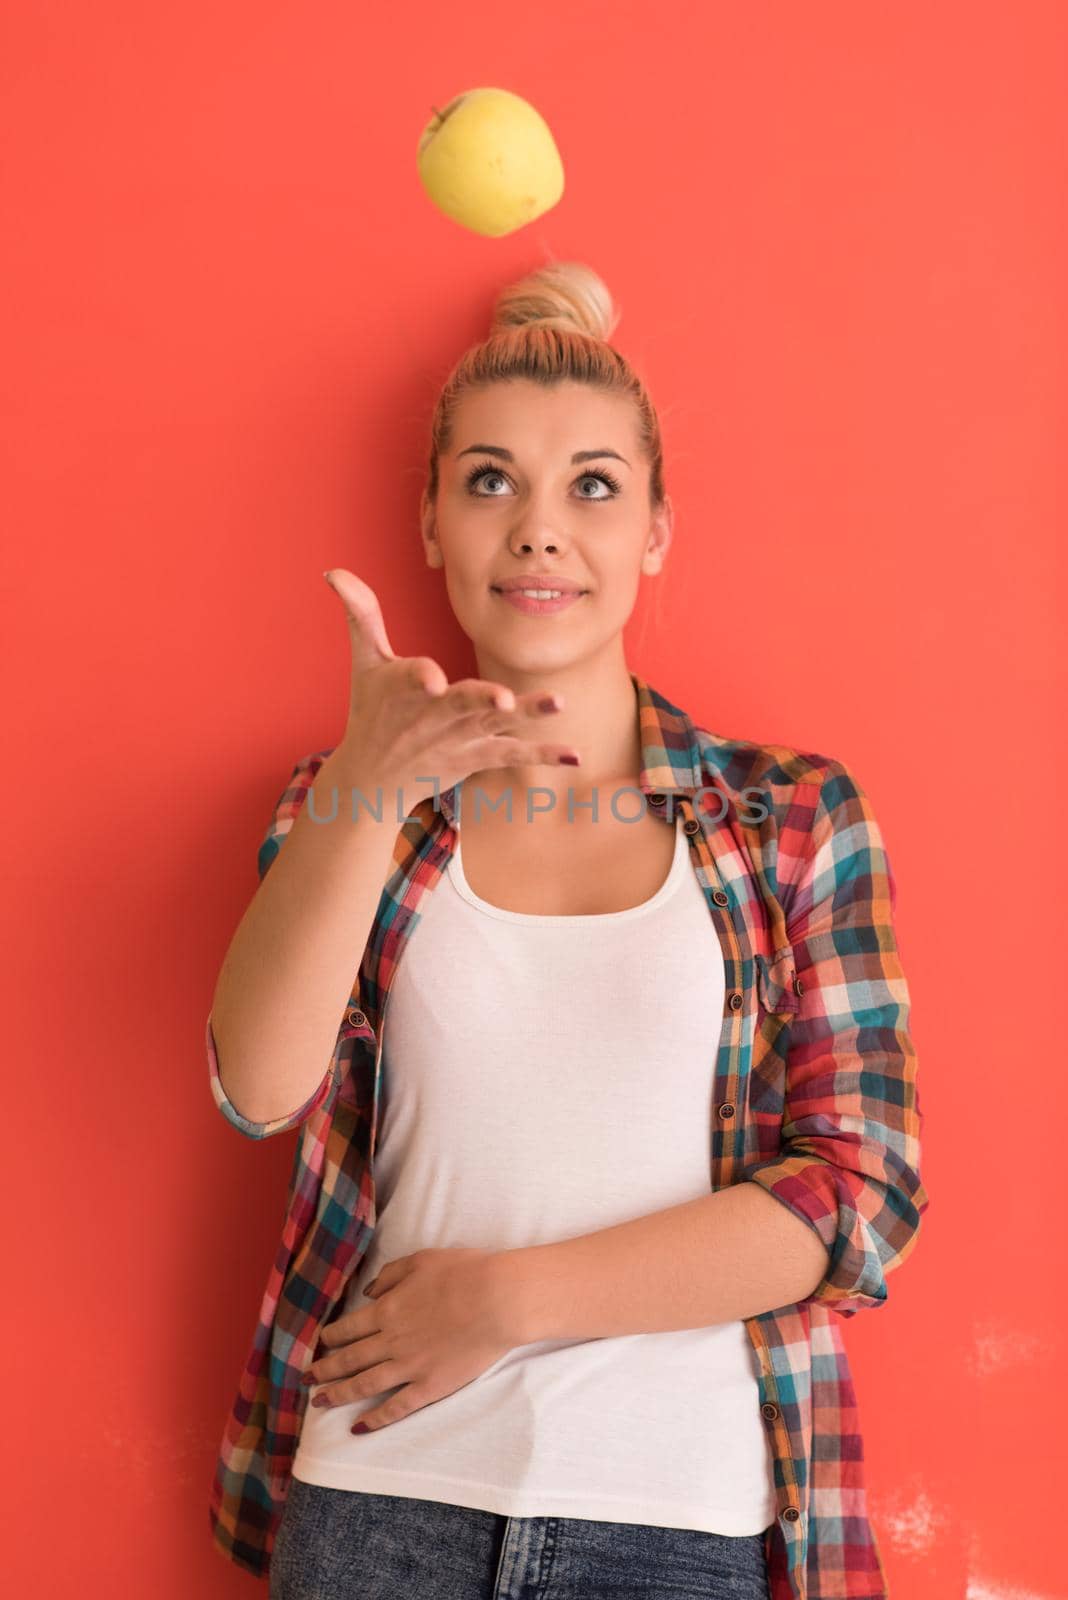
(293, 960)
(730, 1254)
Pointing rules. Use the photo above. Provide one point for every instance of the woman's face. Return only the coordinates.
(512, 503)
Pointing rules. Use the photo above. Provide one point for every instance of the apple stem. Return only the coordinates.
(437, 113)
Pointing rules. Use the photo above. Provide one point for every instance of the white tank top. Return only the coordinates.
(548, 1076)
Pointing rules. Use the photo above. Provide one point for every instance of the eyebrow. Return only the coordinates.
(506, 455)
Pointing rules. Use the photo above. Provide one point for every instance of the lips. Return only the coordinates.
(530, 606)
(537, 580)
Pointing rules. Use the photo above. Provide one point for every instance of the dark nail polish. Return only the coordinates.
(570, 761)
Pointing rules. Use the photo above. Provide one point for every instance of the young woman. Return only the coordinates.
(555, 1307)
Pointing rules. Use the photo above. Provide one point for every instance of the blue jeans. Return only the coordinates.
(337, 1544)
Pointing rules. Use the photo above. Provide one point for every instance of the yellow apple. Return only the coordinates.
(489, 161)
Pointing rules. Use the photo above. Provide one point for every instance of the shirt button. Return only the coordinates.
(770, 1411)
(791, 1514)
(354, 1018)
(720, 898)
(656, 799)
(735, 1000)
(726, 1111)
(799, 987)
(691, 825)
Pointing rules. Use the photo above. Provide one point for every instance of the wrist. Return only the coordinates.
(353, 776)
(515, 1289)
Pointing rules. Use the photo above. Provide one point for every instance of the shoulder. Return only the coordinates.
(806, 815)
(792, 780)
(789, 785)
(797, 805)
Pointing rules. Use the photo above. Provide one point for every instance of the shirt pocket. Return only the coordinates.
(777, 990)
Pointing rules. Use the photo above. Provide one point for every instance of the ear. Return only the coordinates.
(428, 525)
(661, 530)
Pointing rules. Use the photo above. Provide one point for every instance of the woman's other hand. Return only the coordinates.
(435, 1321)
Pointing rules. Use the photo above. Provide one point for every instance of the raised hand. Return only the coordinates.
(408, 725)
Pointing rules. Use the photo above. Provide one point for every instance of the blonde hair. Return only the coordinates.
(551, 326)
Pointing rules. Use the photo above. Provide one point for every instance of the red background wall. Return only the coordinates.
(838, 237)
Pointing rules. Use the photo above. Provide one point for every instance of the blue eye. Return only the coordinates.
(490, 469)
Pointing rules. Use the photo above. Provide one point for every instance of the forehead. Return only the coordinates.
(525, 416)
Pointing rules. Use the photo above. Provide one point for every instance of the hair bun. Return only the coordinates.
(564, 294)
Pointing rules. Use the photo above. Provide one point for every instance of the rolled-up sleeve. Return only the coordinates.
(286, 809)
(849, 1163)
(264, 1130)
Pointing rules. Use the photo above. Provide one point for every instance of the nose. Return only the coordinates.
(547, 542)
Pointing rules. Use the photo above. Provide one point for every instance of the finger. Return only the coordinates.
(477, 697)
(423, 674)
(363, 1382)
(342, 1330)
(540, 703)
(395, 1409)
(502, 750)
(481, 697)
(333, 1335)
(367, 630)
(528, 708)
(346, 1361)
(358, 1328)
(532, 706)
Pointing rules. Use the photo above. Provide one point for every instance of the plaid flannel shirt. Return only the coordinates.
(814, 1097)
